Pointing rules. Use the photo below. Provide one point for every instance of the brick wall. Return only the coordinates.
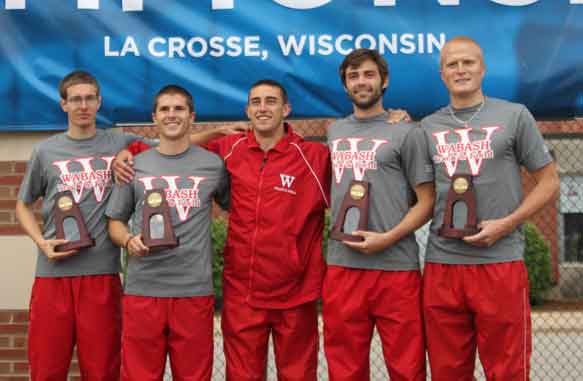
(10, 177)
(13, 364)
(13, 357)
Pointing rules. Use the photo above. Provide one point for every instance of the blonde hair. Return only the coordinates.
(462, 39)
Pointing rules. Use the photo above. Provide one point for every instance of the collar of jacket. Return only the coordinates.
(289, 137)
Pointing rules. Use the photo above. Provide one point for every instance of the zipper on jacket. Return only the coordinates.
(257, 204)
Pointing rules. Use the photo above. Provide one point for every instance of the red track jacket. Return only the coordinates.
(273, 254)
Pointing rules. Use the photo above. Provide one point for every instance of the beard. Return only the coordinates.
(367, 103)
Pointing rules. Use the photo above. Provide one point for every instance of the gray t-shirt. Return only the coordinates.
(190, 180)
(393, 159)
(501, 137)
(83, 167)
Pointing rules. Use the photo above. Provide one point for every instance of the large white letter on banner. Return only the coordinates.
(515, 3)
(302, 4)
(132, 5)
(87, 4)
(392, 3)
(223, 4)
(15, 4)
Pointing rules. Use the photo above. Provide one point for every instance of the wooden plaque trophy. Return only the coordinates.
(157, 231)
(353, 213)
(69, 223)
(461, 191)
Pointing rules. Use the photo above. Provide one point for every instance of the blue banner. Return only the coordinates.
(218, 48)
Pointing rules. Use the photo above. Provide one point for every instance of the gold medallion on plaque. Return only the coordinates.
(357, 191)
(154, 200)
(460, 185)
(65, 203)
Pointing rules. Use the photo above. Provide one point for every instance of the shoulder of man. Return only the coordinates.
(343, 121)
(505, 104)
(202, 153)
(439, 113)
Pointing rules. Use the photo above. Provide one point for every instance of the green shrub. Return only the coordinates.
(327, 228)
(537, 257)
(219, 237)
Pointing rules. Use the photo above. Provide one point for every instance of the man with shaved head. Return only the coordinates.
(475, 292)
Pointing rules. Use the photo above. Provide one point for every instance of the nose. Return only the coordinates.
(359, 80)
(172, 112)
(460, 67)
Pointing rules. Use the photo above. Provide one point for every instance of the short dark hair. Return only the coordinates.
(272, 83)
(358, 56)
(174, 89)
(77, 77)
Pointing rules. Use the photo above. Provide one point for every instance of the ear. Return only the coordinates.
(192, 117)
(286, 109)
(98, 103)
(386, 83)
(247, 111)
(64, 105)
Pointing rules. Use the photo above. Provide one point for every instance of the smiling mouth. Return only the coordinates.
(363, 91)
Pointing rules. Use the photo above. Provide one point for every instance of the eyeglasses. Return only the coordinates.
(90, 100)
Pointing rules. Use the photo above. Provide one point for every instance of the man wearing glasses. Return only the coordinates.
(76, 293)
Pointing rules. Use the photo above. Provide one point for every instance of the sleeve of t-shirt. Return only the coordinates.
(415, 158)
(223, 194)
(135, 139)
(212, 146)
(34, 182)
(121, 202)
(222, 146)
(530, 146)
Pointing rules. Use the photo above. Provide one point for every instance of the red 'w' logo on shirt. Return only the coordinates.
(88, 177)
(474, 152)
(359, 160)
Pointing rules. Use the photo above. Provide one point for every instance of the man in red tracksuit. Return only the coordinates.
(273, 256)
